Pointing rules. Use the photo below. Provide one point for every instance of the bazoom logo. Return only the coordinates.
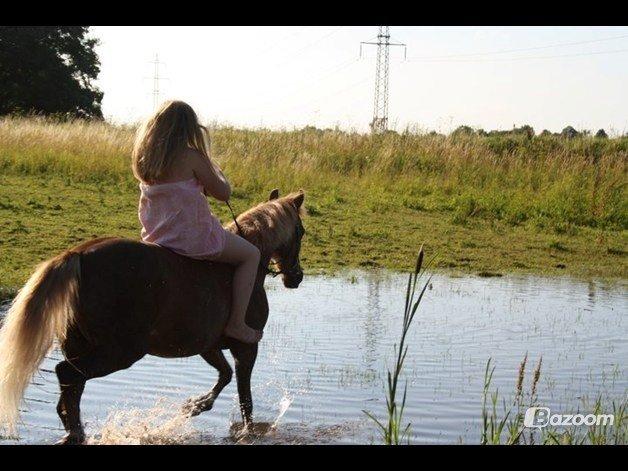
(540, 417)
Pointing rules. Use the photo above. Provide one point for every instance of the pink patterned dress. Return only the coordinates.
(177, 216)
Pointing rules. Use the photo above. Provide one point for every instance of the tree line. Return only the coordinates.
(568, 132)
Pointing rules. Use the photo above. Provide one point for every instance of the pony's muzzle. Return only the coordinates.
(292, 280)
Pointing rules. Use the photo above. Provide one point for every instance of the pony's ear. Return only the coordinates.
(274, 194)
(298, 199)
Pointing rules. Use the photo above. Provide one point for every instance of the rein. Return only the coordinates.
(269, 271)
(234, 218)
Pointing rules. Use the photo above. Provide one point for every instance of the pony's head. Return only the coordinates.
(275, 228)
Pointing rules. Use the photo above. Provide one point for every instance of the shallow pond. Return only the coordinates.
(326, 347)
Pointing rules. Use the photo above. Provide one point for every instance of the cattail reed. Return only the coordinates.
(535, 379)
(520, 377)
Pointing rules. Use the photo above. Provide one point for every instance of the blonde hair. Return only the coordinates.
(163, 137)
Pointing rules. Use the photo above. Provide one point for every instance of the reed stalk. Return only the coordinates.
(393, 431)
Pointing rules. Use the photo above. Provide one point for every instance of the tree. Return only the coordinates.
(49, 70)
(525, 129)
(463, 130)
(569, 132)
(601, 134)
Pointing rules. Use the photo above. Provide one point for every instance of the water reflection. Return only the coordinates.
(591, 292)
(373, 327)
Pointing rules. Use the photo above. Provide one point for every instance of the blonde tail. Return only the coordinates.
(42, 310)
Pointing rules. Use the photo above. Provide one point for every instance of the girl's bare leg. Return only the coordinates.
(245, 256)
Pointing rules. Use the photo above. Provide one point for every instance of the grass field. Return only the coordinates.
(486, 205)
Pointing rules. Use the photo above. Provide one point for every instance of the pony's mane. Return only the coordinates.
(269, 224)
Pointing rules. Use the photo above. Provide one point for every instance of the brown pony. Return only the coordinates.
(111, 301)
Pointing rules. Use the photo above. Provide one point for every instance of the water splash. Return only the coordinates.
(284, 404)
(260, 430)
(162, 424)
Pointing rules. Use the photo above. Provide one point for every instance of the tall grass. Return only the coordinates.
(507, 427)
(549, 180)
(392, 430)
(603, 434)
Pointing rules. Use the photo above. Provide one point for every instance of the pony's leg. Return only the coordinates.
(215, 358)
(73, 375)
(245, 355)
(68, 409)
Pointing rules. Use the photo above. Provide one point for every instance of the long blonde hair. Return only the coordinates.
(163, 137)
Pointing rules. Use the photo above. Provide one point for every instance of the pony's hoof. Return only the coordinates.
(194, 407)
(243, 433)
(72, 438)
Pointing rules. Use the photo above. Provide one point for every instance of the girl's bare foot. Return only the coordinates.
(243, 333)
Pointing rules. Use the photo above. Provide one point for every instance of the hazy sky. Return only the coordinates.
(489, 77)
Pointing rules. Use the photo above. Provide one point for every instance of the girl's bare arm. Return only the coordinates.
(210, 175)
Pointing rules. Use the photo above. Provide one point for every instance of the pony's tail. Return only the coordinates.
(42, 310)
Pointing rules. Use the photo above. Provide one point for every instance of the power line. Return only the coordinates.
(330, 95)
(309, 45)
(324, 75)
(511, 59)
(327, 73)
(276, 43)
(290, 56)
(506, 51)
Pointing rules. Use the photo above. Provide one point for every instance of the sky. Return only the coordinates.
(286, 77)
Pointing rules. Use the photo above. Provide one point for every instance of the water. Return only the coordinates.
(325, 351)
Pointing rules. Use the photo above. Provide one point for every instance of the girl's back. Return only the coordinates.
(174, 213)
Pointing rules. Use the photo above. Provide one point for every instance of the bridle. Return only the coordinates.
(285, 271)
(295, 268)
(269, 271)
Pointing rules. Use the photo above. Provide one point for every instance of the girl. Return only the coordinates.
(171, 161)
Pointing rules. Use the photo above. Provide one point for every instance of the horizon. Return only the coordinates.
(284, 78)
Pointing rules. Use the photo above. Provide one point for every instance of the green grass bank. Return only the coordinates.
(487, 205)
